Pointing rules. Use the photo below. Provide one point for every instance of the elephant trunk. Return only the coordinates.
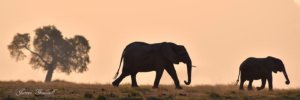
(189, 73)
(286, 77)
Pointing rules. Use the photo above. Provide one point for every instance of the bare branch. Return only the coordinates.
(37, 55)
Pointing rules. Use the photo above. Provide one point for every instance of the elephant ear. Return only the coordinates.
(169, 53)
(273, 65)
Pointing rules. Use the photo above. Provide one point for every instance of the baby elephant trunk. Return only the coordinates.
(286, 77)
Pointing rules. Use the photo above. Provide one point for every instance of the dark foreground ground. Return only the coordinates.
(61, 90)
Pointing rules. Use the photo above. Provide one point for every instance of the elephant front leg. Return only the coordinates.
(157, 78)
(270, 81)
(133, 80)
(263, 83)
(172, 72)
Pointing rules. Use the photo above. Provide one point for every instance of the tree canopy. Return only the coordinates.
(52, 51)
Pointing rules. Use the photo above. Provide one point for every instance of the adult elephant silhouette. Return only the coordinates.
(144, 57)
(261, 68)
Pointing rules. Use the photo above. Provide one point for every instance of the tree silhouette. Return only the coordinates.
(52, 51)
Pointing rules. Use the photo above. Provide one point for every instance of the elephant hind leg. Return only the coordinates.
(250, 84)
(157, 78)
(119, 79)
(242, 83)
(133, 80)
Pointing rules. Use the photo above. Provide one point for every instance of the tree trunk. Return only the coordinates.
(49, 74)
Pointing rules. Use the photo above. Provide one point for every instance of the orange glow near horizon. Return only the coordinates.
(218, 35)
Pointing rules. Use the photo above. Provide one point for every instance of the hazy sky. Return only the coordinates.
(218, 34)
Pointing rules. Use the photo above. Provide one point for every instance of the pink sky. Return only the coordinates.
(218, 35)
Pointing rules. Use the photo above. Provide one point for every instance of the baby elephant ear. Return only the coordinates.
(272, 64)
(169, 53)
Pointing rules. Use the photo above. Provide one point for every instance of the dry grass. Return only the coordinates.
(71, 91)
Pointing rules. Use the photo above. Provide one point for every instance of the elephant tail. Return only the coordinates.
(119, 65)
(237, 81)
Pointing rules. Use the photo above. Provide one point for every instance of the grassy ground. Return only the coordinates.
(10, 90)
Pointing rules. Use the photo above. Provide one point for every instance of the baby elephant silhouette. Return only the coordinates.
(260, 68)
(143, 57)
